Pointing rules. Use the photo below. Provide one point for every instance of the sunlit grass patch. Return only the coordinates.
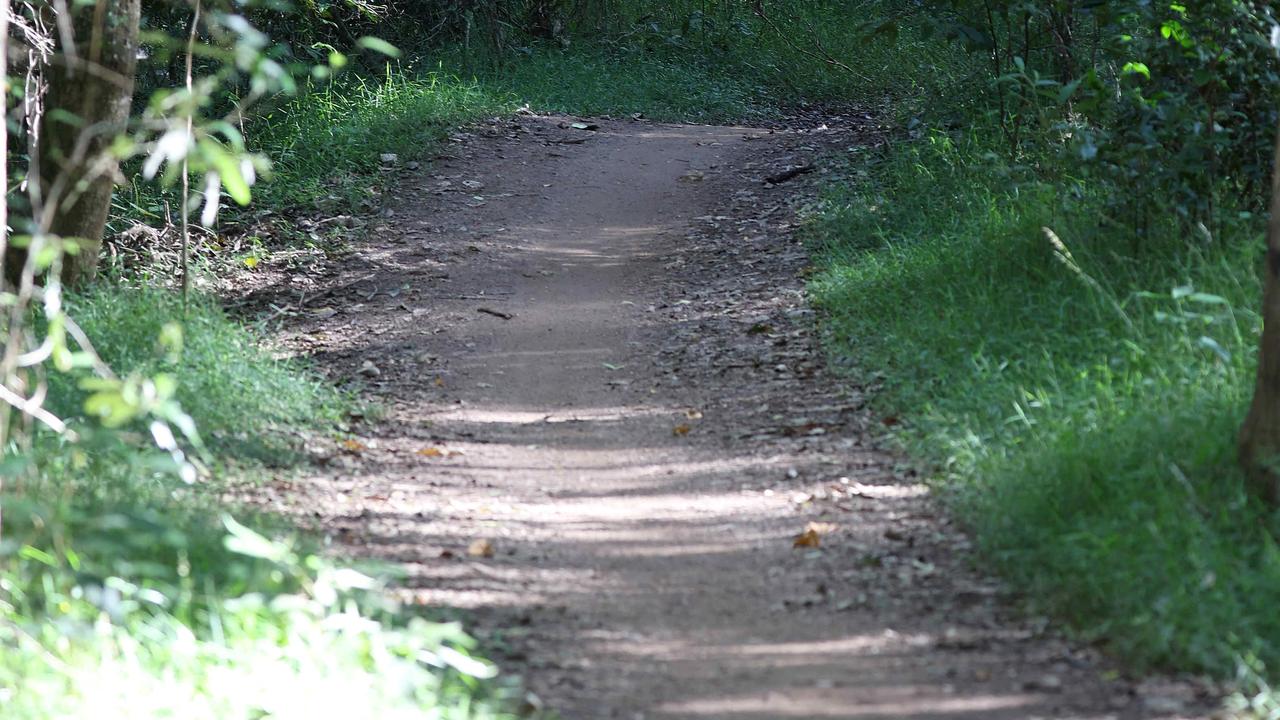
(127, 590)
(245, 402)
(1079, 403)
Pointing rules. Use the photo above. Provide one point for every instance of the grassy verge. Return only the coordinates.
(248, 404)
(125, 591)
(328, 143)
(1082, 406)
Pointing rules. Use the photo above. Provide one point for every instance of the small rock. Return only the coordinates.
(369, 370)
(389, 158)
(480, 549)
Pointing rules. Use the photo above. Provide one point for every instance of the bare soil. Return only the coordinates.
(611, 437)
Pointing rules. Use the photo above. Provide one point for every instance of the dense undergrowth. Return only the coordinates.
(1076, 380)
(1082, 406)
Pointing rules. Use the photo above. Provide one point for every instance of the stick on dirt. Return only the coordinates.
(495, 313)
(789, 174)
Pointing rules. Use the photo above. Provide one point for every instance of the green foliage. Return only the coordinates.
(124, 594)
(242, 399)
(126, 590)
(329, 140)
(1180, 98)
(1082, 406)
(605, 80)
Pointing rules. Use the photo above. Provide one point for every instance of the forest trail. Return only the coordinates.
(607, 423)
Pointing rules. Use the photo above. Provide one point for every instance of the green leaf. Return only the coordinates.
(244, 541)
(228, 169)
(1207, 299)
(33, 553)
(1068, 90)
(378, 45)
(1136, 68)
(1211, 344)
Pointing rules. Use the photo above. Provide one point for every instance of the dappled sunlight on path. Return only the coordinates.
(615, 474)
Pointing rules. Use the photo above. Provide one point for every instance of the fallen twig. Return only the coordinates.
(790, 173)
(495, 313)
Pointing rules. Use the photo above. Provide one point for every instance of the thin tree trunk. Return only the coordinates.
(86, 106)
(1259, 441)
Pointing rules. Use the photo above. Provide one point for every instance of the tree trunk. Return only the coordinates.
(1260, 436)
(86, 106)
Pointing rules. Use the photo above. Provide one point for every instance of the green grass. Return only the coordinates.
(125, 594)
(330, 140)
(1082, 414)
(622, 81)
(246, 402)
(125, 591)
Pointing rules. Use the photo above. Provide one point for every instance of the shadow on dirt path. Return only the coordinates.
(608, 423)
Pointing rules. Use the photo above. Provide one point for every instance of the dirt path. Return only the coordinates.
(597, 364)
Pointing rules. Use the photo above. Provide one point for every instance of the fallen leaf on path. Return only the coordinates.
(439, 382)
(480, 549)
(810, 538)
(435, 452)
(354, 447)
(812, 535)
(681, 430)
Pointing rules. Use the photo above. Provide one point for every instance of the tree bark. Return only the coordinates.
(90, 88)
(1259, 441)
